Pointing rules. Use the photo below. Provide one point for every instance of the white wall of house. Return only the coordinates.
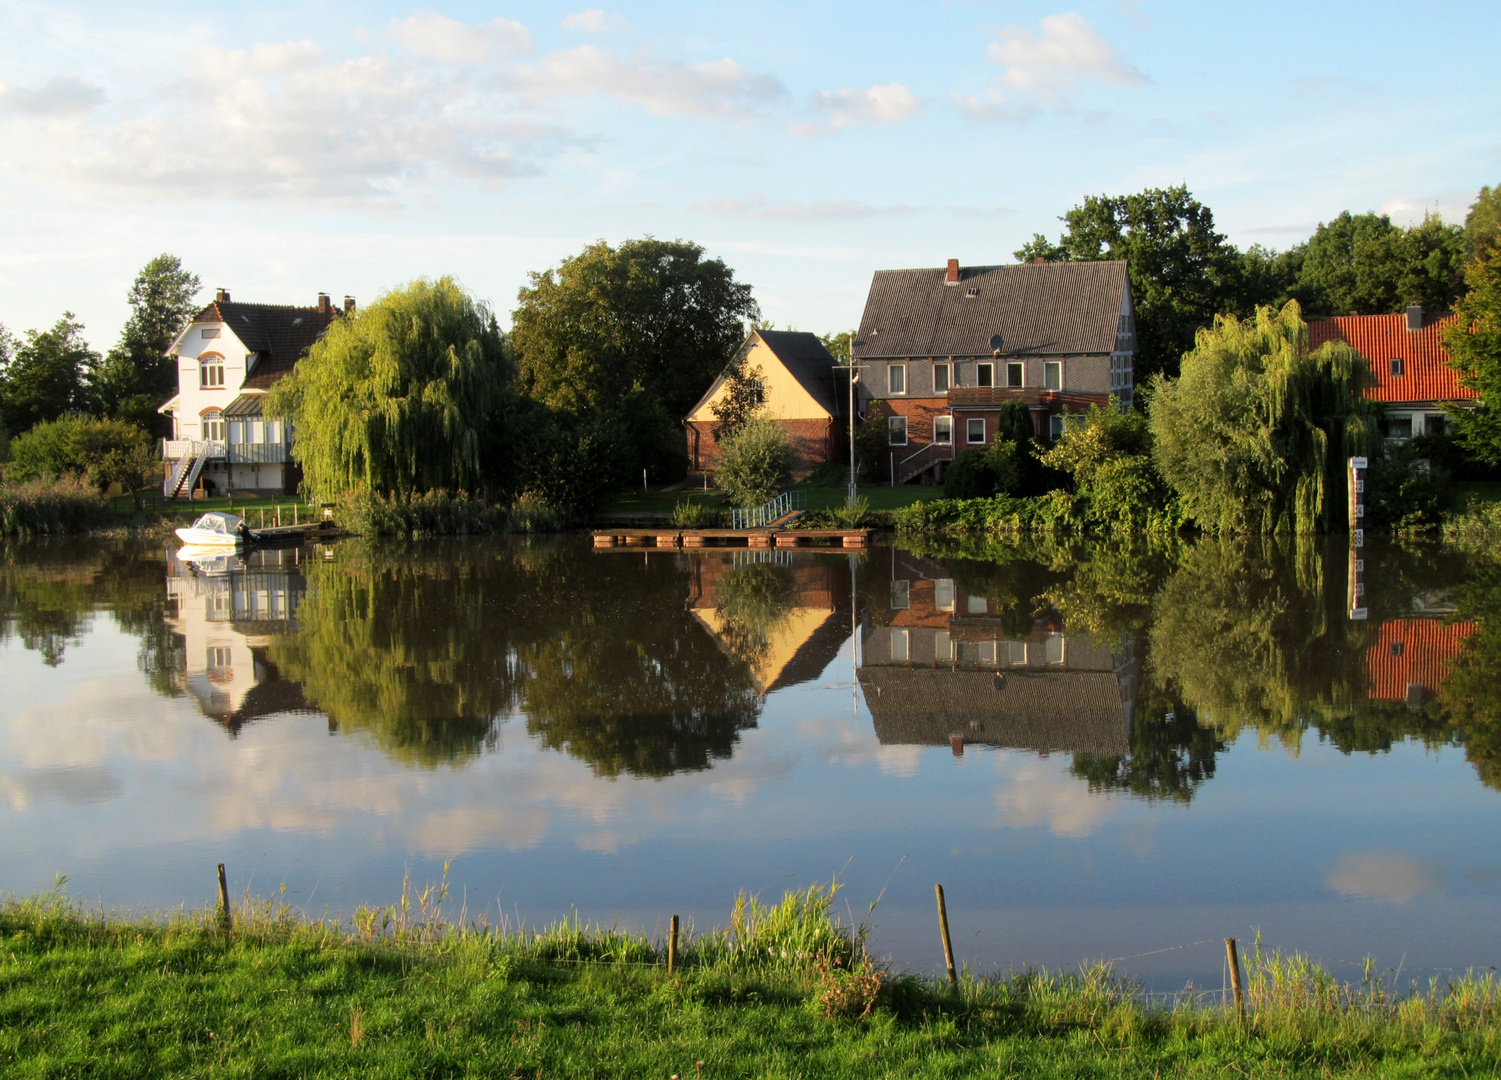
(192, 398)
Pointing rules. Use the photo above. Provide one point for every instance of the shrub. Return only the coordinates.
(1406, 493)
(852, 514)
(530, 513)
(45, 507)
(756, 463)
(434, 513)
(695, 515)
(103, 451)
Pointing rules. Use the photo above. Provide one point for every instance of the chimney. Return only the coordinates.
(349, 305)
(1414, 318)
(221, 296)
(1039, 259)
(324, 307)
(952, 278)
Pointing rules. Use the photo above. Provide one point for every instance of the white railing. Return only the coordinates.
(759, 517)
(175, 449)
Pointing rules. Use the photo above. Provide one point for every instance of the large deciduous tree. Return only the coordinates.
(1474, 346)
(630, 336)
(44, 377)
(1183, 272)
(1483, 222)
(1253, 435)
(136, 375)
(1363, 264)
(402, 398)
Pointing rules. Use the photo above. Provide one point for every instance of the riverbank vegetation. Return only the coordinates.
(786, 989)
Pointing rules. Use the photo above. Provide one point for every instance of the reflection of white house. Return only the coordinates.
(227, 609)
(228, 357)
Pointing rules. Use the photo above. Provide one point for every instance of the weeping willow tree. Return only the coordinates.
(1254, 433)
(400, 398)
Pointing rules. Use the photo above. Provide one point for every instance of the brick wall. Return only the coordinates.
(813, 443)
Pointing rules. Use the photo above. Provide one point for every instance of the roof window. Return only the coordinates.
(974, 291)
(1397, 366)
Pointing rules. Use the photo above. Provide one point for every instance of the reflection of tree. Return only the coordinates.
(1472, 696)
(51, 589)
(626, 680)
(1171, 755)
(753, 602)
(406, 644)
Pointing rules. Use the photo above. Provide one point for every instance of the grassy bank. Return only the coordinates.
(786, 991)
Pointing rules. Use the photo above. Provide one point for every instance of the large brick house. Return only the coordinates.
(941, 351)
(1411, 366)
(227, 358)
(798, 391)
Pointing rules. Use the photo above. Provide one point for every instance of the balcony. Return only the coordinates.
(244, 453)
(177, 449)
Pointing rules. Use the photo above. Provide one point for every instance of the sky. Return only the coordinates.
(286, 149)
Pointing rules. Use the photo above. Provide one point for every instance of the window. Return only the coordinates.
(273, 431)
(901, 645)
(896, 379)
(1015, 375)
(1396, 366)
(943, 648)
(974, 430)
(1435, 425)
(209, 333)
(984, 374)
(943, 594)
(1055, 426)
(210, 371)
(213, 426)
(1399, 427)
(977, 605)
(1016, 652)
(220, 658)
(758, 391)
(896, 431)
(943, 430)
(1052, 375)
(1053, 648)
(901, 594)
(940, 378)
(1398, 647)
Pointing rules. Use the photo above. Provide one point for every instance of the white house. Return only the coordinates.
(227, 358)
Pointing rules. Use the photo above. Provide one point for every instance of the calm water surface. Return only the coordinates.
(1098, 752)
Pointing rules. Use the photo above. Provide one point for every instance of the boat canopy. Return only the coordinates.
(217, 521)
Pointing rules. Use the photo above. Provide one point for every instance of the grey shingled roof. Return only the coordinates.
(810, 363)
(279, 334)
(1037, 308)
(1046, 711)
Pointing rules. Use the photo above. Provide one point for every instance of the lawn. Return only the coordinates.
(86, 996)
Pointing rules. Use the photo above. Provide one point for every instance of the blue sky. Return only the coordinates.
(282, 149)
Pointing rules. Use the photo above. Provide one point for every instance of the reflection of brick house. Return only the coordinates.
(1409, 361)
(941, 351)
(936, 662)
(1410, 659)
(798, 392)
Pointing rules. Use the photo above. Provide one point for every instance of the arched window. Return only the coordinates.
(213, 426)
(210, 371)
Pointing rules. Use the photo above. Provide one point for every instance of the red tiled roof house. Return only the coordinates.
(941, 351)
(1408, 359)
(227, 358)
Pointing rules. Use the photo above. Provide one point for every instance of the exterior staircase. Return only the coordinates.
(918, 462)
(775, 513)
(189, 465)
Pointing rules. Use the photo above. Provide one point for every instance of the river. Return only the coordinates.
(1099, 752)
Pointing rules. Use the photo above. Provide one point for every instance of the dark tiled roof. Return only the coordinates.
(1073, 711)
(1037, 308)
(245, 405)
(279, 334)
(1426, 374)
(810, 363)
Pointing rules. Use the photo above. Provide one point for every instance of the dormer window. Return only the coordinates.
(211, 372)
(1397, 366)
(209, 332)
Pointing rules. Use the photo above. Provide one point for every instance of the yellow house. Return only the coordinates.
(798, 391)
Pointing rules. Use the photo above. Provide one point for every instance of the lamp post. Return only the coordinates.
(854, 378)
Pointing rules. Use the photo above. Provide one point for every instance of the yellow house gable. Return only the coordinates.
(786, 398)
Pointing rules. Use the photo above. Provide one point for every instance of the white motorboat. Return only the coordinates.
(216, 529)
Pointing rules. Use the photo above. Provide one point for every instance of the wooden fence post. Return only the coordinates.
(1233, 956)
(225, 918)
(948, 948)
(672, 946)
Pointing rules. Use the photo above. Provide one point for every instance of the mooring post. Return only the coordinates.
(1232, 955)
(672, 946)
(224, 914)
(948, 947)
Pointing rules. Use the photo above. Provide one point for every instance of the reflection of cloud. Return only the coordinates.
(1042, 792)
(841, 744)
(453, 831)
(76, 786)
(1382, 876)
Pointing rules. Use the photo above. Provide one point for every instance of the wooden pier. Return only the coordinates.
(669, 537)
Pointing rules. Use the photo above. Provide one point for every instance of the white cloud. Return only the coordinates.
(889, 104)
(430, 36)
(61, 95)
(758, 207)
(595, 21)
(1042, 68)
(721, 89)
(1398, 879)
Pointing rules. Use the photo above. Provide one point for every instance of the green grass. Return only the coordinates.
(785, 992)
